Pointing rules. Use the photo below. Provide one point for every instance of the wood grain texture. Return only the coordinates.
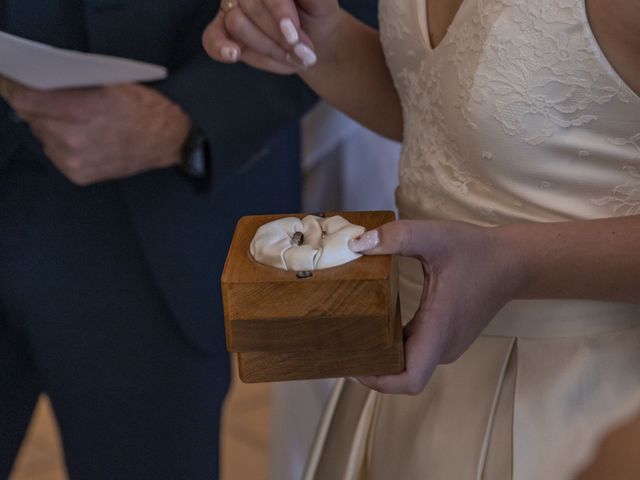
(297, 316)
(256, 367)
(346, 314)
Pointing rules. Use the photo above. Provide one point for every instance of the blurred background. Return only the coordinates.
(245, 434)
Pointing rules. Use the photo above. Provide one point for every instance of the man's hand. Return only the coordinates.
(105, 133)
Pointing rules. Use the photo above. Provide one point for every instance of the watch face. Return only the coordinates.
(194, 156)
(197, 163)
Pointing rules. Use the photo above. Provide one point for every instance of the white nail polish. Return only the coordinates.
(289, 31)
(366, 241)
(229, 53)
(305, 54)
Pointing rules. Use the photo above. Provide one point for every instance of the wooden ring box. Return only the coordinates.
(338, 322)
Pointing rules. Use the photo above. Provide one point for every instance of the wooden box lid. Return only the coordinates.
(349, 307)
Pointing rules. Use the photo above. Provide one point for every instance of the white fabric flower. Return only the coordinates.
(325, 243)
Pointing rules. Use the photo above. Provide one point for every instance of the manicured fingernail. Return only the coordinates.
(305, 54)
(294, 62)
(366, 241)
(289, 31)
(230, 53)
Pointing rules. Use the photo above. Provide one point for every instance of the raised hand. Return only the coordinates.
(469, 277)
(279, 36)
(97, 134)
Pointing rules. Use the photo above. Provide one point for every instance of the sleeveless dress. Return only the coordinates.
(516, 116)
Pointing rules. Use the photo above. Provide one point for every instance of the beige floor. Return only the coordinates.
(245, 433)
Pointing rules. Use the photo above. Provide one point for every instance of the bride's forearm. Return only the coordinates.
(352, 75)
(595, 259)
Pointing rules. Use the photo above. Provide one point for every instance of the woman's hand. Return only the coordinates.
(289, 36)
(273, 35)
(470, 274)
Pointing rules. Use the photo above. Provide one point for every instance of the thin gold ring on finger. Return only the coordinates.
(228, 5)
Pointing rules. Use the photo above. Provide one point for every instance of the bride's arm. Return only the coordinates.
(352, 75)
(345, 62)
(472, 272)
(589, 259)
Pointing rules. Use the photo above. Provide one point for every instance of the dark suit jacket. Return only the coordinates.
(184, 231)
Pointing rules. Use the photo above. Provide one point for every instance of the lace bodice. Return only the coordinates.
(515, 116)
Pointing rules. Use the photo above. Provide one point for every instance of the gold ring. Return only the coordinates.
(227, 5)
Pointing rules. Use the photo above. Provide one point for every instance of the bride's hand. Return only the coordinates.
(273, 35)
(470, 274)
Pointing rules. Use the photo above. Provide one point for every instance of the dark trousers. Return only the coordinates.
(82, 319)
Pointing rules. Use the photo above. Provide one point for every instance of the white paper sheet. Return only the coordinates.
(44, 67)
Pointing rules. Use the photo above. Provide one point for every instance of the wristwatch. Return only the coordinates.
(195, 156)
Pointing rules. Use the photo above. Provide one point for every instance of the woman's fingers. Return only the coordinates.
(218, 43)
(285, 15)
(254, 15)
(428, 335)
(262, 62)
(410, 238)
(224, 46)
(281, 30)
(465, 282)
(424, 346)
(247, 33)
(255, 26)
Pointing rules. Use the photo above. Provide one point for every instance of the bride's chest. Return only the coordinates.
(509, 70)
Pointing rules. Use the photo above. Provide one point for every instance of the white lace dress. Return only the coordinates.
(516, 116)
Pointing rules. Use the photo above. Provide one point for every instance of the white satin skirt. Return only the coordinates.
(528, 400)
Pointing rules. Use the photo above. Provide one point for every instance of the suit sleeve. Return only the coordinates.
(237, 108)
(365, 10)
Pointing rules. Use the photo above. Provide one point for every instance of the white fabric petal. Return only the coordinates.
(325, 245)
